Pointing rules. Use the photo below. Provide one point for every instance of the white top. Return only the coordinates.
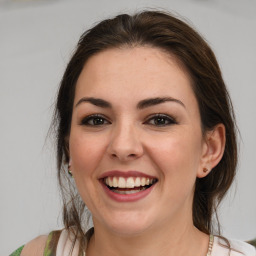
(219, 248)
(240, 248)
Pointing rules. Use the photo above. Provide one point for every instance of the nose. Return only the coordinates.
(125, 144)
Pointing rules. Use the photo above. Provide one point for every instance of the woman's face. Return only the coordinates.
(135, 122)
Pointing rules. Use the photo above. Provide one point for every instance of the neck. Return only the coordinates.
(175, 240)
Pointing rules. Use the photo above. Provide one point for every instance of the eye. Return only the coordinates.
(161, 120)
(94, 120)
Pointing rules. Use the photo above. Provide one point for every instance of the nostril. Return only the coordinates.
(124, 157)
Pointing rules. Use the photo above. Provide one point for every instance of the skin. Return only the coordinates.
(128, 138)
(35, 247)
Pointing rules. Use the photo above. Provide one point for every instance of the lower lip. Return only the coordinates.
(129, 197)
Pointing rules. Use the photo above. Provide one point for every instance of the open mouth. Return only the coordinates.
(129, 185)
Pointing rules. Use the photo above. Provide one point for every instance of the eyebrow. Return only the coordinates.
(155, 101)
(95, 101)
(141, 105)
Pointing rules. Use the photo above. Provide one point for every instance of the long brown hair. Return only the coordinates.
(166, 32)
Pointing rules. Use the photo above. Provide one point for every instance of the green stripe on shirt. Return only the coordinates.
(18, 251)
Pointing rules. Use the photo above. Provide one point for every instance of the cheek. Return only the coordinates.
(86, 152)
(177, 156)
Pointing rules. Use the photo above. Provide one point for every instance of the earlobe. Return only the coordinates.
(69, 167)
(213, 150)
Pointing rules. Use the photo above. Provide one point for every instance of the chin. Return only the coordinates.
(129, 224)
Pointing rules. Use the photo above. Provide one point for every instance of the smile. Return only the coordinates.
(129, 185)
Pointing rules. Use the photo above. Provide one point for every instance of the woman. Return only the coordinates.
(146, 131)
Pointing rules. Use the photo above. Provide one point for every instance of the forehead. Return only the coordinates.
(133, 72)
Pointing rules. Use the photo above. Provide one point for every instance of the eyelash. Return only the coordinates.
(86, 120)
(155, 117)
(162, 117)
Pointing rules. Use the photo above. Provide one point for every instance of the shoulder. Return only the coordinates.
(35, 247)
(238, 248)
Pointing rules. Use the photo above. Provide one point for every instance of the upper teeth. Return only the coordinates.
(129, 182)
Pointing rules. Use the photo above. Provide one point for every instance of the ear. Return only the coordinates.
(212, 150)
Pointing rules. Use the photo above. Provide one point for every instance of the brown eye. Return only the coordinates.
(161, 120)
(94, 120)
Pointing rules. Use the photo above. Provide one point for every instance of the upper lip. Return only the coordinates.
(125, 174)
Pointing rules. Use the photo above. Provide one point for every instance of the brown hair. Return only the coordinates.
(166, 32)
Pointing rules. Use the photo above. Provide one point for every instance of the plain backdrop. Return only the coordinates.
(36, 42)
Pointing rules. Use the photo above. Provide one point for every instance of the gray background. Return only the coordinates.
(36, 41)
